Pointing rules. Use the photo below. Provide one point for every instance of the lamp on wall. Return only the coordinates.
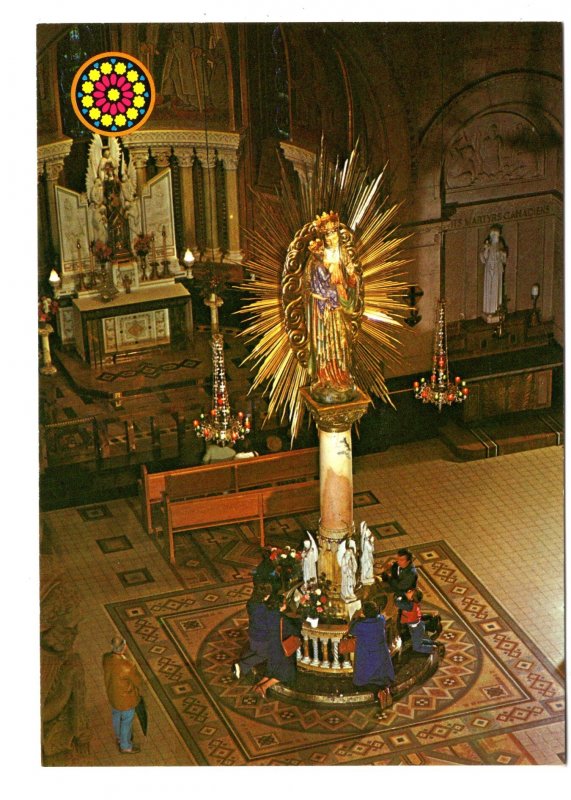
(55, 282)
(534, 317)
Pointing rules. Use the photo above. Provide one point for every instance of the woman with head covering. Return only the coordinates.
(257, 630)
(280, 668)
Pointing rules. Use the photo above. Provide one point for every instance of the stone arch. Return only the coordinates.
(492, 154)
(536, 98)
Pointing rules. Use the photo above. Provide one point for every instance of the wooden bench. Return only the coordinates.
(206, 512)
(229, 476)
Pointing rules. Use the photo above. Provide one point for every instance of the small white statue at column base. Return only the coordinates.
(309, 559)
(347, 560)
(367, 555)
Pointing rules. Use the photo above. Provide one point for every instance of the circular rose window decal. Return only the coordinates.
(113, 94)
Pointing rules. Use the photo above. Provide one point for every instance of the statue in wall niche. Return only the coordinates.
(493, 256)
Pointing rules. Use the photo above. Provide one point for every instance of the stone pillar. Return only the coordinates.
(161, 155)
(185, 159)
(233, 206)
(48, 367)
(303, 162)
(139, 156)
(336, 484)
(51, 158)
(208, 161)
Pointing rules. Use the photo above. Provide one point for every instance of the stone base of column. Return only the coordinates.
(234, 255)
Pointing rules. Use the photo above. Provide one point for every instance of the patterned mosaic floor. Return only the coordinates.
(492, 683)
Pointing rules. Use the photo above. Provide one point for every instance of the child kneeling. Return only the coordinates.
(411, 615)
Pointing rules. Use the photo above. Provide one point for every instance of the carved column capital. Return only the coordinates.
(339, 416)
(53, 170)
(185, 157)
(51, 157)
(207, 158)
(230, 159)
(139, 156)
(161, 155)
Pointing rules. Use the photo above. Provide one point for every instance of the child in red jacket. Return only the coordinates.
(411, 615)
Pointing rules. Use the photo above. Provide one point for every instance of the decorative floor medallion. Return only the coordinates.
(491, 683)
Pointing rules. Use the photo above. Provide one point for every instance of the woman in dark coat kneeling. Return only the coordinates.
(280, 668)
(373, 667)
(257, 651)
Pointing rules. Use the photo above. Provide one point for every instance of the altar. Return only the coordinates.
(132, 322)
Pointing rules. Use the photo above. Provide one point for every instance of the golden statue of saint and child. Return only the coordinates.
(330, 287)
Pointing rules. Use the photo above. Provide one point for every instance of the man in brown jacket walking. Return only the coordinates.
(122, 682)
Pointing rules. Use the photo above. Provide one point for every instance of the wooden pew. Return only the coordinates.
(229, 476)
(207, 512)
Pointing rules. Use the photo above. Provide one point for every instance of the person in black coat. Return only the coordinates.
(279, 668)
(257, 651)
(400, 573)
(265, 572)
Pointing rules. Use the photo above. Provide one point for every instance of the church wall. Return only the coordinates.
(468, 116)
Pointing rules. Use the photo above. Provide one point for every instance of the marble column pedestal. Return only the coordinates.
(334, 423)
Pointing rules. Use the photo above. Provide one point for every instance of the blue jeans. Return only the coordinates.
(420, 642)
(123, 727)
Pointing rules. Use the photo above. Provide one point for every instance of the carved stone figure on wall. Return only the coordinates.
(64, 718)
(194, 72)
(493, 255)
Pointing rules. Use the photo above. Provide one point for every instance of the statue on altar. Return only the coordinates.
(493, 255)
(111, 191)
(328, 284)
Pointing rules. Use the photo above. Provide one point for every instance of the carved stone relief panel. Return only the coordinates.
(74, 228)
(158, 215)
(494, 149)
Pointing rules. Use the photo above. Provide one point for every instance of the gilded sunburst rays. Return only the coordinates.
(360, 201)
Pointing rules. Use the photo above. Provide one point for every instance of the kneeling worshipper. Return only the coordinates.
(257, 651)
(373, 666)
(280, 667)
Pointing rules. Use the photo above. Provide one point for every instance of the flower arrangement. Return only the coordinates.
(47, 308)
(102, 251)
(214, 282)
(142, 244)
(314, 600)
(287, 563)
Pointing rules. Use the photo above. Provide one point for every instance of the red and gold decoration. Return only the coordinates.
(440, 390)
(220, 427)
(113, 93)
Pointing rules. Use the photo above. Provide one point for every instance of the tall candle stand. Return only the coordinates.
(165, 261)
(154, 262)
